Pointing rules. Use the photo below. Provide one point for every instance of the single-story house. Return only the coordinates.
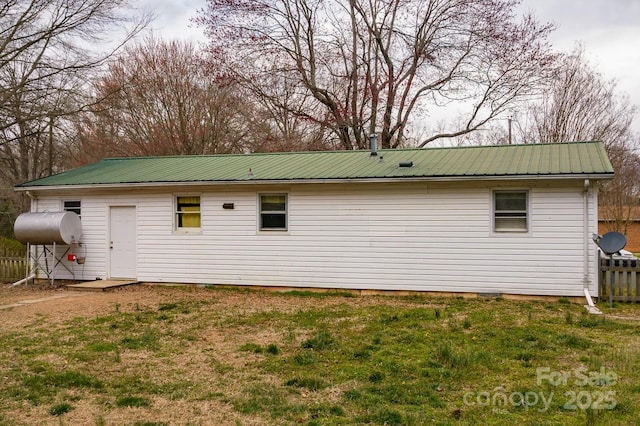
(509, 219)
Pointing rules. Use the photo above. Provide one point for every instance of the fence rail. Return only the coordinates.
(626, 280)
(12, 268)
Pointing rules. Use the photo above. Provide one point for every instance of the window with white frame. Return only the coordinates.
(187, 212)
(72, 206)
(510, 211)
(273, 212)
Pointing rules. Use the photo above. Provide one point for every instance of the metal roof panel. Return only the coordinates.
(573, 158)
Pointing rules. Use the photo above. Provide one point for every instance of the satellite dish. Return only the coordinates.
(612, 242)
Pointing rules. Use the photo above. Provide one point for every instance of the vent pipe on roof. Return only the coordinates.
(373, 144)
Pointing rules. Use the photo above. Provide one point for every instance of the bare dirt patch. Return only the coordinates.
(59, 304)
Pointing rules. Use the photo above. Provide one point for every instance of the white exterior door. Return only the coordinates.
(122, 242)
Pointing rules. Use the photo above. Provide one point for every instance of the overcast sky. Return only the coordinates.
(609, 30)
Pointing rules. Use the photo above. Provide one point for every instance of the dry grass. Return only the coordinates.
(151, 355)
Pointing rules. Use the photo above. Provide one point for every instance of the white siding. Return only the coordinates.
(429, 237)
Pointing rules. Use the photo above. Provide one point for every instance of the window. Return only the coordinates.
(510, 211)
(273, 212)
(72, 206)
(187, 212)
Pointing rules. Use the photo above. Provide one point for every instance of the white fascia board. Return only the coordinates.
(317, 181)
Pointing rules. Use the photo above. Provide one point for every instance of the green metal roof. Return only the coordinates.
(575, 159)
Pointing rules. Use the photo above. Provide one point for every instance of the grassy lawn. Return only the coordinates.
(324, 359)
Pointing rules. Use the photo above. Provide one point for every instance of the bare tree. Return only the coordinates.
(45, 41)
(157, 99)
(160, 98)
(619, 198)
(580, 105)
(47, 49)
(282, 118)
(27, 149)
(368, 65)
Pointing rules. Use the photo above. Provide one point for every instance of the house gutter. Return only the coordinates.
(391, 179)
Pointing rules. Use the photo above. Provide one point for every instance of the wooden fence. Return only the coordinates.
(626, 279)
(12, 269)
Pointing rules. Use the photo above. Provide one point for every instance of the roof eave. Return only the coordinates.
(593, 176)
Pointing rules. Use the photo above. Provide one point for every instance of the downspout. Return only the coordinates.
(591, 307)
(31, 262)
(24, 280)
(34, 201)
